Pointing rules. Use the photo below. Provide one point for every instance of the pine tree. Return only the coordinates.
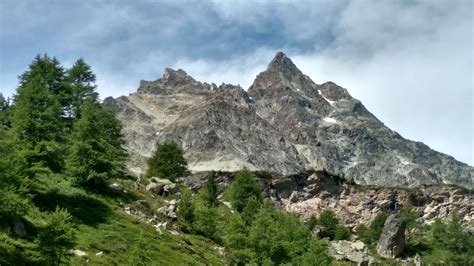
(57, 237)
(81, 79)
(249, 211)
(36, 121)
(5, 110)
(235, 241)
(167, 162)
(210, 191)
(205, 221)
(242, 189)
(96, 153)
(185, 208)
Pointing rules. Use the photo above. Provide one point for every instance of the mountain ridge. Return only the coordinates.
(284, 123)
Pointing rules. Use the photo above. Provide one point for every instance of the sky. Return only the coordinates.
(409, 61)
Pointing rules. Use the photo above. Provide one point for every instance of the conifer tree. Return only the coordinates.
(243, 188)
(81, 79)
(185, 207)
(57, 237)
(210, 191)
(96, 153)
(167, 162)
(36, 123)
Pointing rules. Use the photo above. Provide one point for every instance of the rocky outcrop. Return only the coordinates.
(352, 251)
(309, 193)
(161, 186)
(392, 240)
(284, 123)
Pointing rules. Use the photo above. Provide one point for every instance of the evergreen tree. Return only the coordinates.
(243, 188)
(35, 121)
(205, 221)
(249, 211)
(5, 121)
(57, 237)
(262, 235)
(235, 241)
(96, 153)
(167, 162)
(185, 207)
(210, 191)
(81, 79)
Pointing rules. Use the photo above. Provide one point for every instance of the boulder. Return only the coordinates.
(346, 250)
(392, 240)
(160, 186)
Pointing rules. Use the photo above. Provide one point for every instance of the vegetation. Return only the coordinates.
(167, 162)
(371, 234)
(244, 187)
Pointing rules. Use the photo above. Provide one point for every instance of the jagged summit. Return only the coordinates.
(283, 64)
(284, 123)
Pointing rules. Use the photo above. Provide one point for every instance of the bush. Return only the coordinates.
(167, 162)
(342, 233)
(328, 219)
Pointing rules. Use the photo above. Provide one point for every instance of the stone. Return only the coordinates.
(159, 186)
(79, 253)
(392, 240)
(346, 250)
(99, 254)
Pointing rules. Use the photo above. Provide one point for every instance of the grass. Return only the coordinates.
(103, 226)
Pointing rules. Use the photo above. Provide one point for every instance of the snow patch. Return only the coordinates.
(327, 100)
(330, 120)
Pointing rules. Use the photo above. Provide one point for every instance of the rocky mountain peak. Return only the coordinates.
(283, 64)
(284, 123)
(176, 76)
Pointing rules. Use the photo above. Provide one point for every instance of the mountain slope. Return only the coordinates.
(286, 123)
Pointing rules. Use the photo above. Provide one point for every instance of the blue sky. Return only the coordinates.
(409, 62)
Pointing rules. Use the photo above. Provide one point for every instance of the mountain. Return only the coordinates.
(284, 123)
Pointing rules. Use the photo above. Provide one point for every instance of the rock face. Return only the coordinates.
(308, 194)
(392, 240)
(284, 123)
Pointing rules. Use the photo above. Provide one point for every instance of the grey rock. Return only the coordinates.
(284, 123)
(346, 250)
(160, 186)
(392, 240)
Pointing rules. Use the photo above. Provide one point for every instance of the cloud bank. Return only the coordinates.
(409, 62)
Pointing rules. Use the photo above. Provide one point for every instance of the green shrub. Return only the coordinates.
(342, 232)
